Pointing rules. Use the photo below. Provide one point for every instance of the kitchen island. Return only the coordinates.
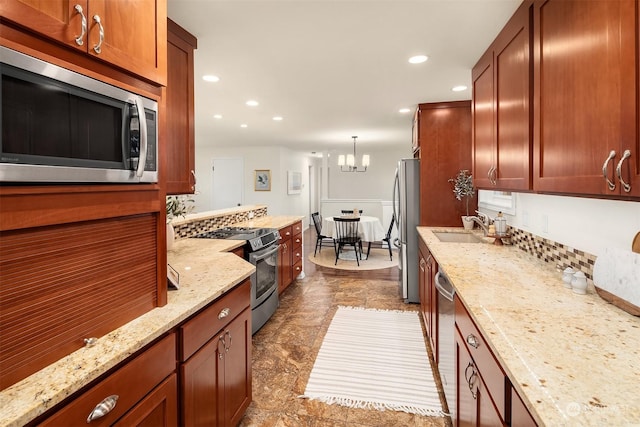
(572, 359)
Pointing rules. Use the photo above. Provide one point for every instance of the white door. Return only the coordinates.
(228, 183)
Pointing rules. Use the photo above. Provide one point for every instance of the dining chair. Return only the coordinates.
(320, 238)
(349, 211)
(347, 235)
(386, 238)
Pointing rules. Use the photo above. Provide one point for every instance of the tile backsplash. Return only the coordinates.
(185, 229)
(556, 253)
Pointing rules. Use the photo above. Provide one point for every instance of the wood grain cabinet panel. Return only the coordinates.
(502, 95)
(216, 379)
(131, 384)
(444, 133)
(134, 33)
(585, 108)
(179, 99)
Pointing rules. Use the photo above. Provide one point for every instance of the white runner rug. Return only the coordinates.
(375, 359)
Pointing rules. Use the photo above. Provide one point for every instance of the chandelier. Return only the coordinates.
(348, 164)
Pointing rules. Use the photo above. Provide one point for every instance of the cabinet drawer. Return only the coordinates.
(296, 241)
(296, 253)
(206, 323)
(130, 383)
(297, 269)
(286, 233)
(486, 363)
(297, 228)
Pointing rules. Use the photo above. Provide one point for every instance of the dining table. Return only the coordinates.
(370, 228)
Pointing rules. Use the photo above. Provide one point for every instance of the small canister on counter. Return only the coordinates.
(501, 224)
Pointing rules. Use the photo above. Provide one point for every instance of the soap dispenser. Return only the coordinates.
(501, 224)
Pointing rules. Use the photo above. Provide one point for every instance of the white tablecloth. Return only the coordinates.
(370, 228)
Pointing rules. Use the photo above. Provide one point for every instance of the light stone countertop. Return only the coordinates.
(206, 273)
(574, 359)
(270, 221)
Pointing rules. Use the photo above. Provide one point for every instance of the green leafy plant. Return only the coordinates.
(463, 187)
(178, 206)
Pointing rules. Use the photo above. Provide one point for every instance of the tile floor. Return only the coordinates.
(284, 350)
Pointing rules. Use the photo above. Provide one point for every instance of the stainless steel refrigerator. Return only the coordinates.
(406, 207)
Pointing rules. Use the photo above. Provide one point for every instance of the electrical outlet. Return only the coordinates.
(545, 223)
(250, 215)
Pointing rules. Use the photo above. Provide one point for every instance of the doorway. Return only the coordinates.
(228, 183)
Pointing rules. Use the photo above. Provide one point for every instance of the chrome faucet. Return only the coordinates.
(484, 217)
(481, 223)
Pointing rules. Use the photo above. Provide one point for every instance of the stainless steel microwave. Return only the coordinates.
(61, 126)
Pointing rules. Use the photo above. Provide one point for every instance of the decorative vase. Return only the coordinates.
(171, 236)
(467, 222)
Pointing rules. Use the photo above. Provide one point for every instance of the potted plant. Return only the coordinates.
(463, 189)
(177, 206)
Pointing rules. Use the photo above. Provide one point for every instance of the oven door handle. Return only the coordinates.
(263, 253)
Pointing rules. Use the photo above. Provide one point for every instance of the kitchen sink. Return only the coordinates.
(457, 237)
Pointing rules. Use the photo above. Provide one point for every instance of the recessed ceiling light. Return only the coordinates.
(277, 118)
(459, 88)
(404, 110)
(252, 103)
(244, 125)
(217, 116)
(211, 78)
(418, 59)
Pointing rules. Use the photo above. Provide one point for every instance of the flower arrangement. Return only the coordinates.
(178, 206)
(463, 187)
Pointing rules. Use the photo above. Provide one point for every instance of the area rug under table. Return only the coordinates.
(375, 359)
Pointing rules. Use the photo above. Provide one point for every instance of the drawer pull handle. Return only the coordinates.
(473, 341)
(83, 25)
(90, 342)
(227, 345)
(98, 47)
(471, 379)
(224, 313)
(224, 346)
(625, 186)
(103, 408)
(611, 185)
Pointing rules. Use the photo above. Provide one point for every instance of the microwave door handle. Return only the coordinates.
(142, 160)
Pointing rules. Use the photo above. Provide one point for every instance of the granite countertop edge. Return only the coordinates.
(556, 347)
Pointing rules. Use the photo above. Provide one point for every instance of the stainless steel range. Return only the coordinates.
(260, 250)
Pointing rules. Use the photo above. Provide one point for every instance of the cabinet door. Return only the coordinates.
(201, 384)
(180, 141)
(422, 289)
(135, 35)
(474, 406)
(483, 122)
(512, 74)
(585, 91)
(158, 409)
(432, 292)
(284, 265)
(520, 415)
(56, 19)
(237, 368)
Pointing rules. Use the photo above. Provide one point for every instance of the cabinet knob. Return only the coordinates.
(224, 313)
(103, 408)
(90, 342)
(473, 341)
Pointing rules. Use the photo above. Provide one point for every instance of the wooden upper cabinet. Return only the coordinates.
(133, 31)
(180, 140)
(483, 128)
(585, 80)
(501, 107)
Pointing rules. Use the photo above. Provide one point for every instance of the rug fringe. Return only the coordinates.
(363, 404)
(350, 307)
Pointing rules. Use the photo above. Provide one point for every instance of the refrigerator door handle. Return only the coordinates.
(395, 201)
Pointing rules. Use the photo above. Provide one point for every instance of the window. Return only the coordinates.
(497, 200)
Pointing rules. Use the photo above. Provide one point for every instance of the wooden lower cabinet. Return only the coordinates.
(520, 415)
(475, 407)
(428, 295)
(216, 379)
(146, 390)
(289, 255)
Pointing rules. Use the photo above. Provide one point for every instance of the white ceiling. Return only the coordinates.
(331, 68)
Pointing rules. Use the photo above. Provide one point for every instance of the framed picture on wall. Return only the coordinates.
(262, 180)
(294, 182)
